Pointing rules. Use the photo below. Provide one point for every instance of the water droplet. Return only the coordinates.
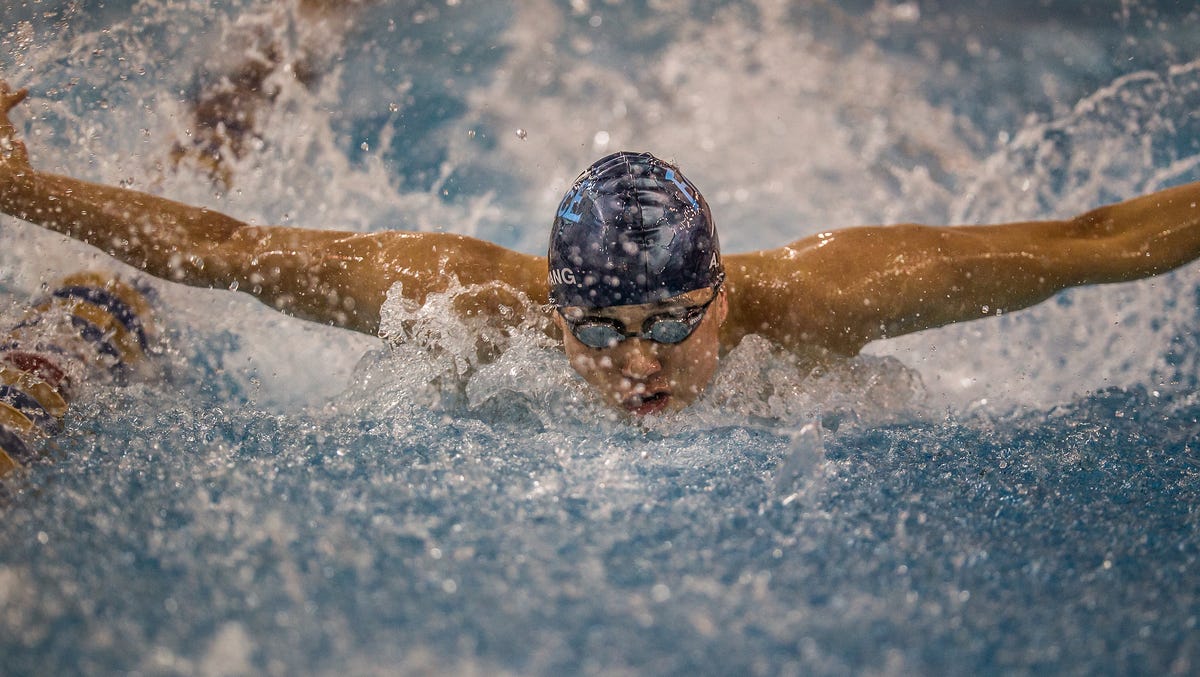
(660, 593)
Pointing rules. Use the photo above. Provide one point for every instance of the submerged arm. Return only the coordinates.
(334, 278)
(854, 286)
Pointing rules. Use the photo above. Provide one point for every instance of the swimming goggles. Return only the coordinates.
(671, 327)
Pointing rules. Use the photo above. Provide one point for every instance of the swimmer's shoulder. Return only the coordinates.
(802, 296)
(768, 277)
(435, 258)
(778, 294)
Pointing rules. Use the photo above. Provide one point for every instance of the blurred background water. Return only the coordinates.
(1016, 495)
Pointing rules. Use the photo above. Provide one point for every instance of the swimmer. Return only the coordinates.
(634, 282)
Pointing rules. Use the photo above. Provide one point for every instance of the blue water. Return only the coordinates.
(1009, 496)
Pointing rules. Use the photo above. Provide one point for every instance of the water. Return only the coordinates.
(1009, 496)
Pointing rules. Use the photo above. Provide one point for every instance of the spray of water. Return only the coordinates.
(293, 498)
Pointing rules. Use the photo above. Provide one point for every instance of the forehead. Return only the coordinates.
(692, 298)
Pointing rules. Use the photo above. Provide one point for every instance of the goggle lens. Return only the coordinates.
(595, 335)
(671, 331)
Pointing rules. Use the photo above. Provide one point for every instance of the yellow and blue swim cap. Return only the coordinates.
(631, 230)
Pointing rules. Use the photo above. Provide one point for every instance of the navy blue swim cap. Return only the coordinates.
(631, 230)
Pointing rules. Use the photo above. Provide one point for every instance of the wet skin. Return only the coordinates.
(642, 377)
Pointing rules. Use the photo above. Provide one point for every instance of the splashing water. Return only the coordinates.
(1012, 495)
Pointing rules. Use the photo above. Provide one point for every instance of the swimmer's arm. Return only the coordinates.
(330, 277)
(850, 287)
(336, 278)
(343, 279)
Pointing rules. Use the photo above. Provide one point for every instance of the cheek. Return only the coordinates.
(587, 362)
(694, 366)
(695, 356)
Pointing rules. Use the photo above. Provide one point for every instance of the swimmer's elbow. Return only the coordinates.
(1098, 224)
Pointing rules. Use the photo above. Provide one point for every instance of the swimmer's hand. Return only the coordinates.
(14, 158)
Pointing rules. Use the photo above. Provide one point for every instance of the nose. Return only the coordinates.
(639, 360)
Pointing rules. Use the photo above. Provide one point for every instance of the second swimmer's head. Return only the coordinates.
(636, 277)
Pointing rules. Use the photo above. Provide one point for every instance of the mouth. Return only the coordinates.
(644, 405)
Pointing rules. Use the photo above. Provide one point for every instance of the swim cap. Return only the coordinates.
(631, 230)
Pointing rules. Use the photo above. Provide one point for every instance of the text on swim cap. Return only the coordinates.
(562, 276)
(570, 208)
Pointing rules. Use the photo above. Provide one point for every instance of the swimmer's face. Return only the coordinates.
(641, 376)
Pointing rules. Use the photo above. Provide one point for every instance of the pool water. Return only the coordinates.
(1016, 495)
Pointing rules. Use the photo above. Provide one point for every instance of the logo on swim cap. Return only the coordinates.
(631, 230)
